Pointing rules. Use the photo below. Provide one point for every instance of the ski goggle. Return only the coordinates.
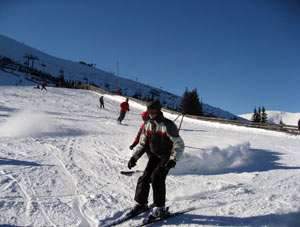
(152, 111)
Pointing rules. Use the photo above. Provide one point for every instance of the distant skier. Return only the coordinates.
(299, 124)
(145, 118)
(44, 86)
(124, 107)
(101, 102)
(166, 147)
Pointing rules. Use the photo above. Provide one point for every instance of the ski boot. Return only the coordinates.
(158, 212)
(137, 209)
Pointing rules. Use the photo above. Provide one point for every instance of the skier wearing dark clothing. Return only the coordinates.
(299, 124)
(44, 86)
(124, 107)
(37, 86)
(165, 148)
(101, 102)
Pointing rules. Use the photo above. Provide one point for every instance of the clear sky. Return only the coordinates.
(238, 54)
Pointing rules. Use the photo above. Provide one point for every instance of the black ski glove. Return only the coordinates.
(131, 147)
(131, 163)
(170, 164)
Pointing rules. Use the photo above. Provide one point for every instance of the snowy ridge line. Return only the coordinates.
(76, 202)
(240, 128)
(288, 129)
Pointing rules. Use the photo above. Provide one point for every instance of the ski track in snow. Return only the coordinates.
(30, 198)
(66, 173)
(76, 199)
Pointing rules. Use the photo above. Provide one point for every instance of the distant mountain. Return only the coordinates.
(74, 71)
(274, 117)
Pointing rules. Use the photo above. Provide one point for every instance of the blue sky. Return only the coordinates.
(237, 54)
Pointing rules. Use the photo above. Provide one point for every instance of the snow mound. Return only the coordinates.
(215, 160)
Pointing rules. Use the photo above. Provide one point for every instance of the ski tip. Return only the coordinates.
(129, 172)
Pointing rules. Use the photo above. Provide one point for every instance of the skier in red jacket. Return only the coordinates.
(124, 107)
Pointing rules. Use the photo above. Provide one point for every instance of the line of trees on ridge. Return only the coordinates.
(260, 115)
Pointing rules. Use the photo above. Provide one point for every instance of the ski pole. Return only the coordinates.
(180, 122)
(177, 117)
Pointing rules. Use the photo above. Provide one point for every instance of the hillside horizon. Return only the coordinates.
(16, 51)
(76, 71)
(275, 116)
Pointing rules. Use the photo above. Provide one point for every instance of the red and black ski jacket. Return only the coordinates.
(161, 135)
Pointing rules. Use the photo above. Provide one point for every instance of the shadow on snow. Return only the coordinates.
(14, 162)
(192, 130)
(6, 109)
(290, 220)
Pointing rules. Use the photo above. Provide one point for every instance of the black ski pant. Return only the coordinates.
(122, 115)
(154, 173)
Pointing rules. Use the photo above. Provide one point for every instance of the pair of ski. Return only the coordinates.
(126, 217)
(147, 221)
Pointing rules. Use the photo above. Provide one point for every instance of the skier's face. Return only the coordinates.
(152, 113)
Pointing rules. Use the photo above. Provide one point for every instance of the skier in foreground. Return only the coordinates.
(166, 146)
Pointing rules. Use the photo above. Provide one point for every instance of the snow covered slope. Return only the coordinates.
(60, 157)
(274, 117)
(79, 72)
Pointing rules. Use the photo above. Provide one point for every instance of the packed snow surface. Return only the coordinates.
(61, 157)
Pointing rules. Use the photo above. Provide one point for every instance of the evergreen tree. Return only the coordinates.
(264, 116)
(281, 124)
(259, 116)
(190, 103)
(254, 116)
(258, 120)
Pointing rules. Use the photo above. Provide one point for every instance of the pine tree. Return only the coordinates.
(258, 120)
(190, 103)
(281, 124)
(254, 116)
(264, 116)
